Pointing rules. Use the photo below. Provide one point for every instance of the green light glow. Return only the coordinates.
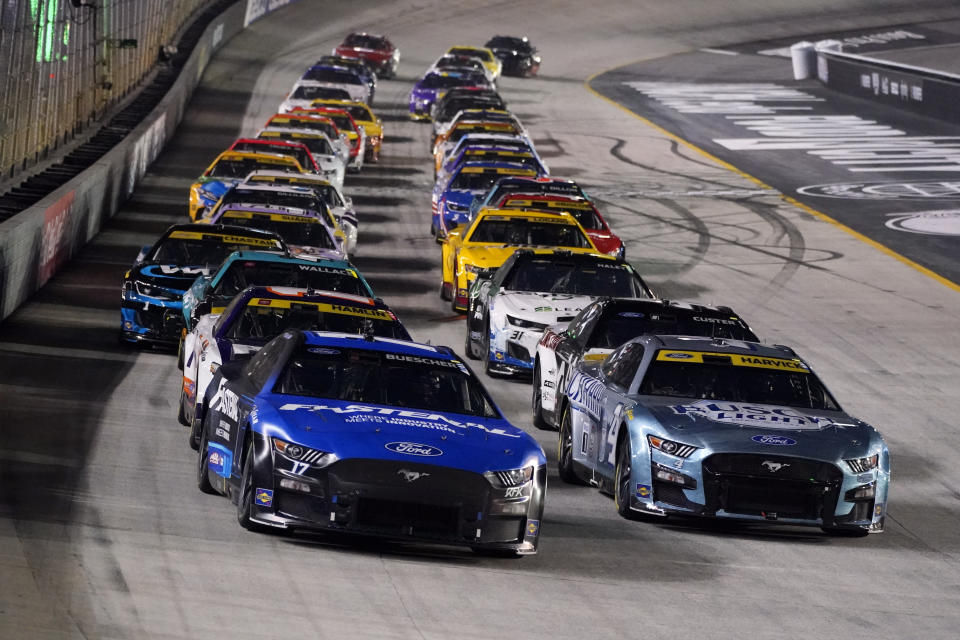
(44, 14)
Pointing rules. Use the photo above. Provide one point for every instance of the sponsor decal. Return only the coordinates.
(223, 430)
(413, 449)
(323, 351)
(934, 223)
(345, 310)
(219, 459)
(263, 497)
(411, 476)
(878, 510)
(586, 392)
(513, 492)
(715, 320)
(403, 417)
(226, 401)
(772, 466)
(778, 441)
(885, 190)
(736, 359)
(431, 361)
(52, 252)
(633, 314)
(533, 528)
(678, 356)
(256, 9)
(644, 491)
(765, 416)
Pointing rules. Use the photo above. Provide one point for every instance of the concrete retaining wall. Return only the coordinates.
(37, 241)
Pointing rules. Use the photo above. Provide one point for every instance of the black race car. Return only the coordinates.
(607, 323)
(518, 56)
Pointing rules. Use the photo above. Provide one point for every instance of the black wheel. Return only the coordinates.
(485, 350)
(565, 451)
(245, 500)
(195, 428)
(622, 478)
(181, 414)
(180, 355)
(538, 420)
(468, 343)
(444, 294)
(203, 473)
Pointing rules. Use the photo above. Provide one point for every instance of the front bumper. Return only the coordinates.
(146, 322)
(405, 501)
(739, 486)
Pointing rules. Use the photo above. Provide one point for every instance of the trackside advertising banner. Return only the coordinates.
(256, 9)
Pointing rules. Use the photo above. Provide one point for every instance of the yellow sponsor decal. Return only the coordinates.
(489, 152)
(341, 309)
(217, 309)
(549, 204)
(306, 135)
(594, 357)
(508, 172)
(782, 364)
(276, 217)
(226, 239)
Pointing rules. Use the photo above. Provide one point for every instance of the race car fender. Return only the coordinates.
(547, 361)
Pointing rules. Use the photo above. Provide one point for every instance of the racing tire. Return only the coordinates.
(622, 480)
(203, 474)
(196, 427)
(565, 452)
(485, 351)
(180, 355)
(468, 346)
(181, 414)
(444, 294)
(537, 401)
(245, 499)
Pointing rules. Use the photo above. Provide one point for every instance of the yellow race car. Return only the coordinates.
(364, 116)
(230, 168)
(493, 235)
(486, 56)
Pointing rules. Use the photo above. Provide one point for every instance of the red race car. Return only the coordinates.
(582, 209)
(298, 150)
(376, 50)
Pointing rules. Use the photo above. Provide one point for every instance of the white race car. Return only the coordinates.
(508, 311)
(331, 156)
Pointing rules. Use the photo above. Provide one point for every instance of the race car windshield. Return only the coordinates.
(320, 93)
(302, 234)
(298, 153)
(587, 217)
(520, 231)
(435, 81)
(474, 181)
(300, 200)
(721, 380)
(335, 76)
(343, 121)
(243, 168)
(311, 124)
(317, 145)
(359, 112)
(474, 53)
(262, 324)
(245, 273)
(552, 275)
(205, 252)
(621, 326)
(364, 42)
(394, 380)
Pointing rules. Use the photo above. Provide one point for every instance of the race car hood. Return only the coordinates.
(461, 197)
(176, 277)
(759, 428)
(545, 308)
(354, 430)
(488, 256)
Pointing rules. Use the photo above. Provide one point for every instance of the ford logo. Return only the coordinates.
(413, 449)
(679, 356)
(774, 440)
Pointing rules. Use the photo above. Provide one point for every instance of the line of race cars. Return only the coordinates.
(312, 408)
(672, 408)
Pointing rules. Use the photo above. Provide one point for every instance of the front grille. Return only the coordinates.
(166, 323)
(771, 486)
(407, 518)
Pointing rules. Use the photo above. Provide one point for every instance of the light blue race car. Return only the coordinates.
(721, 428)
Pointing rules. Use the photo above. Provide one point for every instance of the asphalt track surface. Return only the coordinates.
(104, 535)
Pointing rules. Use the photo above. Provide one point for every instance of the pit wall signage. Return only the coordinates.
(256, 9)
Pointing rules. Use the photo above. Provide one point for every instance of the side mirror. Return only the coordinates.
(142, 254)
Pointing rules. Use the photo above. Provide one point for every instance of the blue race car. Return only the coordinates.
(241, 269)
(433, 85)
(452, 196)
(151, 310)
(371, 436)
(724, 429)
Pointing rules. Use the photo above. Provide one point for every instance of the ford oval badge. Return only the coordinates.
(774, 440)
(413, 449)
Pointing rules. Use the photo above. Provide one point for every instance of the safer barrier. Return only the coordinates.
(37, 241)
(924, 91)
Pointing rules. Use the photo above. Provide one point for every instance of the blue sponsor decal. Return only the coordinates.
(644, 491)
(219, 459)
(533, 528)
(323, 352)
(413, 449)
(679, 356)
(263, 497)
(631, 314)
(774, 440)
